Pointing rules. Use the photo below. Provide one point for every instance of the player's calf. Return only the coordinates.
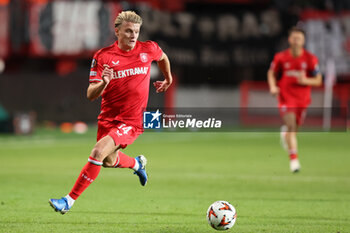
(283, 140)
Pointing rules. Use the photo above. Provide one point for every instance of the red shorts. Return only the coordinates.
(121, 133)
(300, 112)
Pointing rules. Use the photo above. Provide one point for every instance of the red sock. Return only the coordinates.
(124, 161)
(87, 175)
(293, 154)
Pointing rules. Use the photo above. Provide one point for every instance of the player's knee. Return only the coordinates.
(96, 153)
(292, 127)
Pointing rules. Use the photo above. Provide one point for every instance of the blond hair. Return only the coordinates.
(128, 16)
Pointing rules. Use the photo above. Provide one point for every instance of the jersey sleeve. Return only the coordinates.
(276, 64)
(314, 67)
(96, 69)
(155, 51)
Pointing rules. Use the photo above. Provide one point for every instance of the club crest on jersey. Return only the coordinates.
(144, 57)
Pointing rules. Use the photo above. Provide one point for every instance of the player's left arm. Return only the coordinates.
(164, 66)
(316, 78)
(315, 81)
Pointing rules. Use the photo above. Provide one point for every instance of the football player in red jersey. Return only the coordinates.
(299, 71)
(120, 74)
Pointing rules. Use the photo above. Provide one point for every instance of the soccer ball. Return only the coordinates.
(221, 215)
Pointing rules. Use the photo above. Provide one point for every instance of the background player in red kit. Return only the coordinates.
(299, 70)
(121, 74)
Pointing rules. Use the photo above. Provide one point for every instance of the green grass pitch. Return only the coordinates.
(188, 172)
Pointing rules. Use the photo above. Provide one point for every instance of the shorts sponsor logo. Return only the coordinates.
(93, 73)
(283, 108)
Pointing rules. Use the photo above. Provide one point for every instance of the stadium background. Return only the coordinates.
(218, 50)
(45, 56)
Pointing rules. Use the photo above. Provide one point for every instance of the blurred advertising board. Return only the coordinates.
(4, 31)
(328, 37)
(64, 28)
(216, 46)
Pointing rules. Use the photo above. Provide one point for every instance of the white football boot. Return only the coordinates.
(294, 165)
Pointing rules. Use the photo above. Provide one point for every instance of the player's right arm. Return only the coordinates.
(100, 76)
(271, 77)
(95, 89)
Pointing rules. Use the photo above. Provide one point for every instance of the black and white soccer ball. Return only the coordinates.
(221, 215)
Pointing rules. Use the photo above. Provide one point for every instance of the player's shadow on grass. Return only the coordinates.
(16, 222)
(287, 199)
(136, 213)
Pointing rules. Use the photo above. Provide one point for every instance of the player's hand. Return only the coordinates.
(161, 86)
(274, 90)
(302, 79)
(107, 74)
